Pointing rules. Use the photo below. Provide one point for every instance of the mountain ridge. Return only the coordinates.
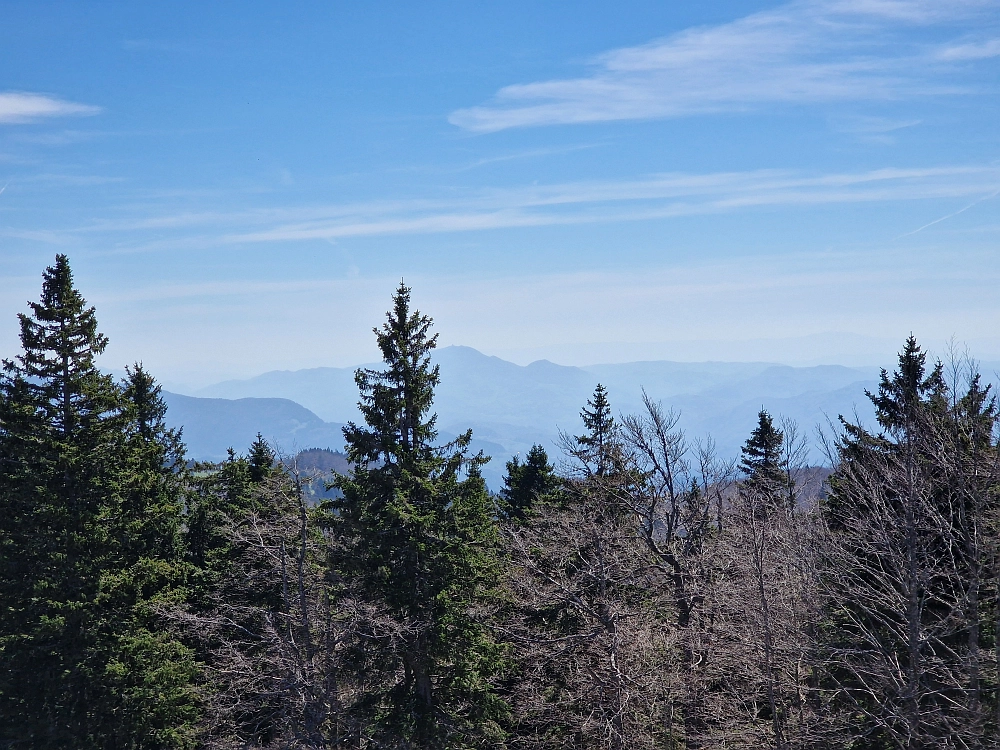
(510, 407)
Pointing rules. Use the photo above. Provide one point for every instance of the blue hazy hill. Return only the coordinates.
(510, 406)
(213, 425)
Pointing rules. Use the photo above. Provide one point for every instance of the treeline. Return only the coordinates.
(645, 594)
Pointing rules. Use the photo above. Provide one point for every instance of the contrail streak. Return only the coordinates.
(955, 213)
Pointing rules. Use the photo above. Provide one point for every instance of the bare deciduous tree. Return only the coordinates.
(588, 631)
(679, 508)
(272, 630)
(766, 645)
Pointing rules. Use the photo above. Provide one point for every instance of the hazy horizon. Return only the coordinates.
(628, 353)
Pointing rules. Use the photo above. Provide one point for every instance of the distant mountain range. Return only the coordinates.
(213, 425)
(509, 407)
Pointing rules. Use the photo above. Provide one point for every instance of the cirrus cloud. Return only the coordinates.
(802, 52)
(23, 106)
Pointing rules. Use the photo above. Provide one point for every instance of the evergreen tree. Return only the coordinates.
(83, 556)
(765, 466)
(261, 459)
(149, 697)
(153, 495)
(910, 390)
(56, 414)
(528, 483)
(761, 454)
(419, 552)
(598, 450)
(907, 569)
(221, 495)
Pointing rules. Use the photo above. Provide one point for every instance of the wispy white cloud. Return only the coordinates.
(910, 11)
(62, 138)
(655, 197)
(47, 236)
(78, 180)
(802, 52)
(526, 154)
(652, 197)
(971, 51)
(22, 106)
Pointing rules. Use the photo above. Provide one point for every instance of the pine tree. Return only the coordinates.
(56, 414)
(261, 459)
(419, 544)
(911, 388)
(156, 480)
(148, 696)
(221, 495)
(761, 454)
(82, 555)
(598, 450)
(907, 567)
(528, 483)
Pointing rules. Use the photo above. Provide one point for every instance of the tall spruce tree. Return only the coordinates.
(598, 450)
(148, 693)
(528, 483)
(418, 536)
(57, 416)
(155, 475)
(261, 459)
(907, 568)
(909, 391)
(763, 462)
(82, 556)
(761, 454)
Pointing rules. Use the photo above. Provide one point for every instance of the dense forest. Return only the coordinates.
(647, 593)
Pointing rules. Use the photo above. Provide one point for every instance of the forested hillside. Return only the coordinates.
(647, 593)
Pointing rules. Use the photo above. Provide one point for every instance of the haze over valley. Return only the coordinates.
(511, 407)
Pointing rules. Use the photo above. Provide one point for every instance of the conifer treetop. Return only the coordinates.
(261, 459)
(527, 483)
(900, 395)
(596, 446)
(761, 454)
(60, 342)
(143, 396)
(395, 401)
(61, 328)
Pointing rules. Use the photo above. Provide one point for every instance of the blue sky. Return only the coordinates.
(241, 185)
